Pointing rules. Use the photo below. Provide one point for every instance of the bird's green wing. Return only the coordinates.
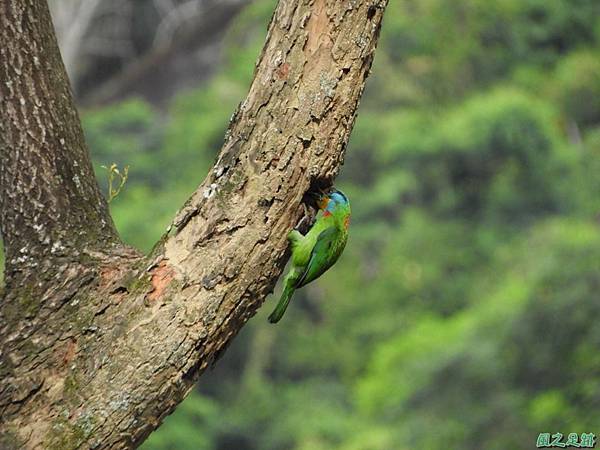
(320, 257)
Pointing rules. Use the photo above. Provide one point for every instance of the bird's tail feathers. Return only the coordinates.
(284, 301)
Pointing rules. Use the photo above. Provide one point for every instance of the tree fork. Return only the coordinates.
(115, 341)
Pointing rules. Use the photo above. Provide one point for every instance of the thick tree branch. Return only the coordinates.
(49, 201)
(125, 343)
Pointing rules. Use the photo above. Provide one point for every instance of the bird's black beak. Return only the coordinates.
(320, 198)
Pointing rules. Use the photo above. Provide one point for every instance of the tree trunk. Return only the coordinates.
(100, 343)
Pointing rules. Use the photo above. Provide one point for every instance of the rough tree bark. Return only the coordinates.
(99, 343)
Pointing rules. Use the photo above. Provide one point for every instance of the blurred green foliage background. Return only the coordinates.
(463, 314)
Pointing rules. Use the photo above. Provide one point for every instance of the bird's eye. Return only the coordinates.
(322, 203)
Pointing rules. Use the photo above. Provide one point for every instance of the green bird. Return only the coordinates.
(318, 250)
